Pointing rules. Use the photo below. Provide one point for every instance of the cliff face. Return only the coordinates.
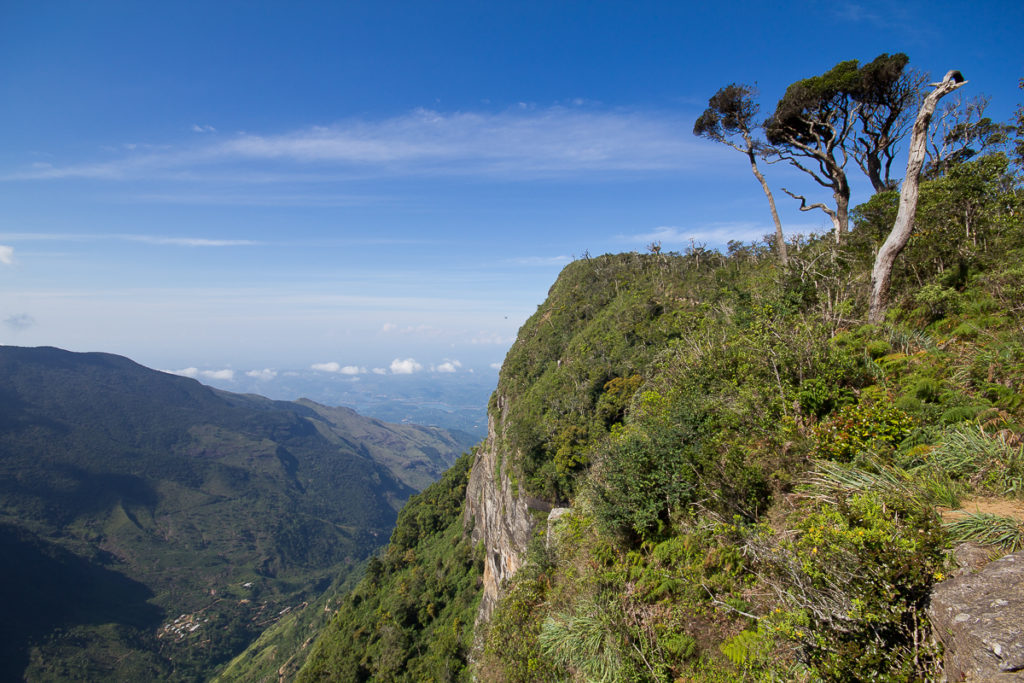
(499, 513)
(553, 398)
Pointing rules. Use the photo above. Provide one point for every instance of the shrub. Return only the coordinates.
(938, 301)
(650, 468)
(664, 461)
(868, 426)
(927, 390)
(859, 573)
(877, 348)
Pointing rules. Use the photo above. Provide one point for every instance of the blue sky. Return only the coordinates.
(262, 185)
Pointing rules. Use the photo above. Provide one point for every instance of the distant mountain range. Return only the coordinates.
(151, 526)
(447, 400)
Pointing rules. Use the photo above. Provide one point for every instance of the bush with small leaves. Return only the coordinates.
(875, 426)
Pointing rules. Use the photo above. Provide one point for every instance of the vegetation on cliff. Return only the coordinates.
(762, 485)
(411, 618)
(766, 504)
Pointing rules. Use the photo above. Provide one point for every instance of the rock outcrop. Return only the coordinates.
(979, 619)
(499, 511)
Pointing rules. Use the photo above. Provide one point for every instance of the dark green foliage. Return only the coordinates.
(927, 390)
(665, 461)
(878, 76)
(577, 361)
(730, 111)
(813, 111)
(803, 113)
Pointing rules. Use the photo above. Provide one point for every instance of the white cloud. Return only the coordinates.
(195, 373)
(228, 375)
(495, 366)
(418, 330)
(21, 321)
(6, 255)
(326, 367)
(449, 366)
(334, 366)
(380, 371)
(145, 239)
(186, 241)
(265, 374)
(405, 366)
(526, 141)
(203, 129)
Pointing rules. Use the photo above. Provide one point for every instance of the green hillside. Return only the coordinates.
(154, 527)
(756, 476)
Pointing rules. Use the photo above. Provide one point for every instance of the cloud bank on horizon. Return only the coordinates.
(398, 366)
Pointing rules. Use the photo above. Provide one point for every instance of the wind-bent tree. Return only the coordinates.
(889, 95)
(810, 127)
(881, 274)
(849, 111)
(730, 115)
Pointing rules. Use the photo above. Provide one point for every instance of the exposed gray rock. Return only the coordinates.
(500, 513)
(979, 619)
(970, 557)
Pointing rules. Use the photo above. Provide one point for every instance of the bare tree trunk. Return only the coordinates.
(841, 219)
(874, 173)
(780, 240)
(881, 274)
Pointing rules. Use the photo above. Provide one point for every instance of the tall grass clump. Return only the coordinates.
(989, 464)
(988, 529)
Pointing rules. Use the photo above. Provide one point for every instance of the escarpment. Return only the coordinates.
(499, 512)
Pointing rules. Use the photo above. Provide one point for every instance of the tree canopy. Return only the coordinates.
(730, 114)
(815, 126)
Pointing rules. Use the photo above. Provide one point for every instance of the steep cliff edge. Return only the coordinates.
(499, 514)
(566, 381)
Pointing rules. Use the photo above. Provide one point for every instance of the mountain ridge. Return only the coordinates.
(192, 492)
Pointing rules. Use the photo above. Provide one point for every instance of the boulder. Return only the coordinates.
(979, 619)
